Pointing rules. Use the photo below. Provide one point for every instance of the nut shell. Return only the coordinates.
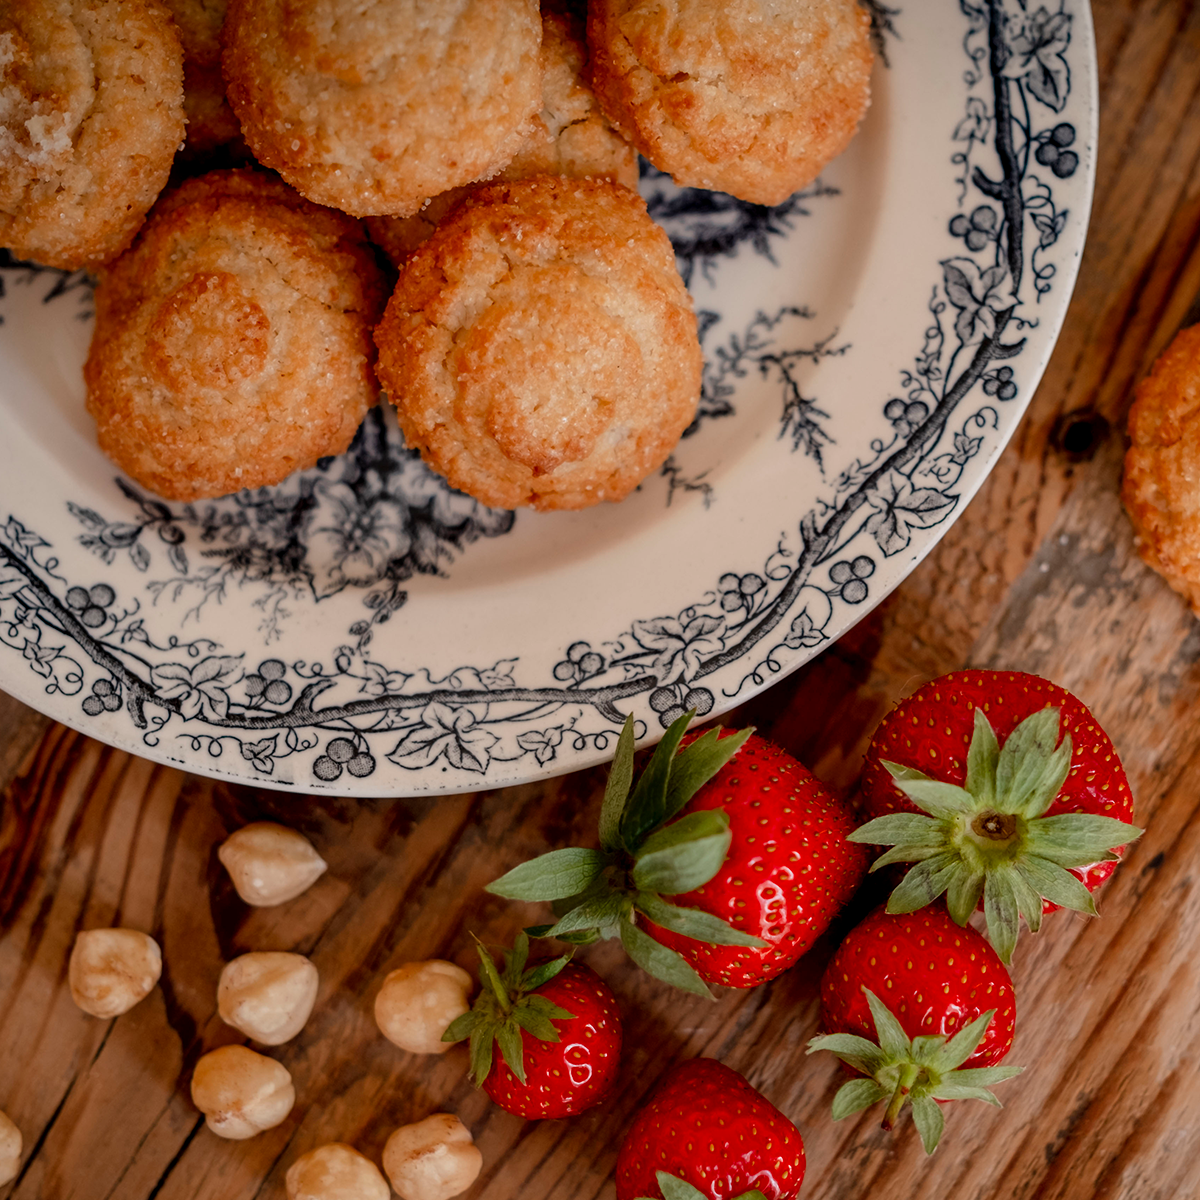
(418, 1001)
(335, 1171)
(432, 1159)
(241, 1093)
(268, 995)
(270, 864)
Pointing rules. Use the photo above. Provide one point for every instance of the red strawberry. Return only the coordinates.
(705, 1125)
(968, 779)
(722, 864)
(558, 1029)
(922, 1008)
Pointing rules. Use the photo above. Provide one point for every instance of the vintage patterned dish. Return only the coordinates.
(870, 347)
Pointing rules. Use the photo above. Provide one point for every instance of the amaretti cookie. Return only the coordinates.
(374, 108)
(91, 114)
(569, 136)
(740, 96)
(232, 342)
(210, 120)
(540, 347)
(1161, 489)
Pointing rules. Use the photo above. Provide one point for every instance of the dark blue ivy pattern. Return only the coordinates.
(364, 524)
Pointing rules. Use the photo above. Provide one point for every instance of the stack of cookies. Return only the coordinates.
(539, 345)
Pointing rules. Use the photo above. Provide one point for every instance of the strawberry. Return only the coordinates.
(558, 1029)
(922, 1008)
(723, 863)
(1007, 813)
(706, 1134)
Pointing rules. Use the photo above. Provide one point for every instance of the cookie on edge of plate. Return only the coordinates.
(569, 136)
(375, 108)
(232, 343)
(91, 114)
(736, 96)
(540, 348)
(1161, 487)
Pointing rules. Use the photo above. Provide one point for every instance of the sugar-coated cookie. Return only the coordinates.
(374, 108)
(232, 342)
(91, 114)
(540, 347)
(1161, 489)
(569, 136)
(749, 97)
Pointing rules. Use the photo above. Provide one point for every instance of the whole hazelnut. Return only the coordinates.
(10, 1150)
(270, 864)
(418, 1001)
(241, 1093)
(268, 995)
(335, 1172)
(433, 1159)
(112, 969)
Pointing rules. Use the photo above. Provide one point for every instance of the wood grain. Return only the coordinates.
(1038, 574)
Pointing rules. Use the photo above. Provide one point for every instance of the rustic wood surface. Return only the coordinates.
(1038, 574)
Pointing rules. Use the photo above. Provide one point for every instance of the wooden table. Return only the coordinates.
(1037, 574)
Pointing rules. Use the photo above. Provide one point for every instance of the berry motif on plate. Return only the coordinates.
(721, 864)
(706, 1126)
(1003, 790)
(556, 1026)
(922, 1011)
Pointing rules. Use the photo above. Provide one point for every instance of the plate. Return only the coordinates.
(870, 345)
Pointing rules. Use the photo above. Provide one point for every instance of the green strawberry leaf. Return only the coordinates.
(858, 1052)
(674, 1188)
(647, 803)
(515, 960)
(1001, 913)
(1079, 839)
(685, 855)
(512, 1048)
(616, 790)
(925, 883)
(854, 1096)
(697, 763)
(545, 1005)
(492, 979)
(598, 914)
(1047, 879)
(978, 1077)
(542, 973)
(660, 961)
(1030, 771)
(462, 1026)
(482, 1040)
(893, 1041)
(1028, 897)
(953, 1053)
(927, 1117)
(899, 829)
(552, 876)
(536, 1023)
(963, 894)
(693, 923)
(936, 797)
(983, 755)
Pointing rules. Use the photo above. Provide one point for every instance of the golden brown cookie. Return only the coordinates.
(540, 347)
(373, 108)
(91, 114)
(570, 136)
(232, 343)
(1161, 489)
(748, 97)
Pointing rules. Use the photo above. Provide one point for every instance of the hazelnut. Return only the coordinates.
(418, 1001)
(270, 864)
(112, 969)
(10, 1150)
(241, 1093)
(268, 995)
(335, 1172)
(433, 1159)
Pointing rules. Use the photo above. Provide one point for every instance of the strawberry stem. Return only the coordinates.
(908, 1076)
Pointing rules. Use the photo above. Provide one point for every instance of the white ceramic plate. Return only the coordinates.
(870, 347)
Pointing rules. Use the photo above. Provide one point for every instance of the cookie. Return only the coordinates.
(569, 136)
(540, 348)
(1161, 489)
(375, 108)
(91, 114)
(232, 342)
(739, 96)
